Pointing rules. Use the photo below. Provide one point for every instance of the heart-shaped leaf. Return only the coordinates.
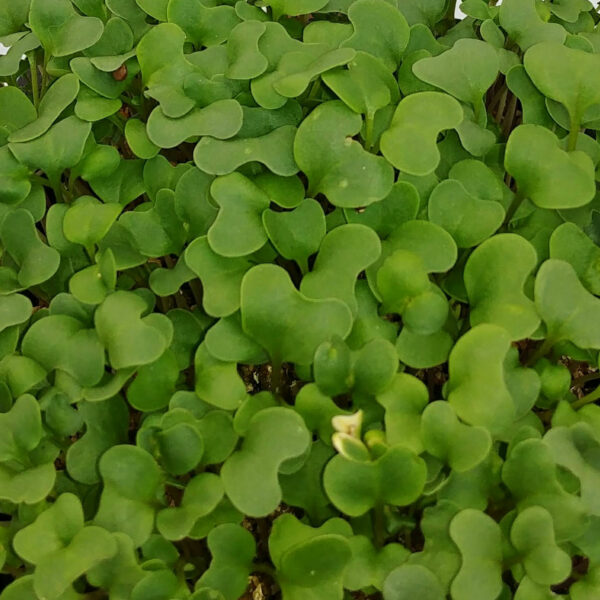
(392, 29)
(335, 164)
(323, 552)
(204, 25)
(238, 229)
(233, 549)
(526, 26)
(87, 221)
(344, 253)
(131, 339)
(287, 324)
(478, 538)
(36, 261)
(365, 86)
(494, 276)
(274, 435)
(200, 497)
(566, 307)
(446, 438)
(221, 120)
(397, 478)
(407, 581)
(130, 478)
(470, 381)
(532, 534)
(217, 382)
(60, 148)
(569, 243)
(466, 71)
(220, 276)
(296, 234)
(530, 473)
(62, 342)
(274, 150)
(410, 143)
(59, 95)
(548, 63)
(468, 219)
(106, 424)
(545, 173)
(61, 29)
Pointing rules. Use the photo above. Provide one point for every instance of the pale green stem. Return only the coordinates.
(34, 78)
(303, 264)
(514, 207)
(44, 75)
(587, 399)
(573, 133)
(378, 525)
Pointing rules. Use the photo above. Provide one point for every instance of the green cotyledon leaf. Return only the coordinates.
(379, 29)
(127, 504)
(60, 94)
(344, 253)
(410, 143)
(571, 244)
(274, 150)
(131, 339)
(467, 218)
(397, 477)
(478, 539)
(59, 148)
(204, 24)
(568, 310)
(466, 71)
(336, 165)
(477, 390)
(410, 581)
(566, 75)
(61, 29)
(532, 534)
(274, 435)
(324, 553)
(521, 20)
(238, 229)
(494, 277)
(545, 173)
(285, 322)
(221, 120)
(296, 234)
(530, 473)
(233, 549)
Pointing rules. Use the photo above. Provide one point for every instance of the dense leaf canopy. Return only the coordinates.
(299, 299)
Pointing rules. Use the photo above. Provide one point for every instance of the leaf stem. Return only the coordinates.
(585, 378)
(573, 133)
(315, 89)
(303, 264)
(514, 207)
(378, 525)
(587, 399)
(41, 180)
(44, 75)
(33, 70)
